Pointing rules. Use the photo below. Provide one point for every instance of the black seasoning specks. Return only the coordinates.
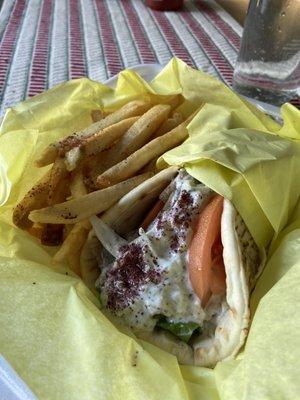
(134, 360)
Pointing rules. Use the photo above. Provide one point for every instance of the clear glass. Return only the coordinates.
(268, 64)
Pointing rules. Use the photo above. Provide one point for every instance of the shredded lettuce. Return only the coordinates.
(183, 330)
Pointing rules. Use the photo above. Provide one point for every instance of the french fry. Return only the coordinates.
(89, 258)
(73, 242)
(125, 214)
(76, 210)
(178, 117)
(150, 167)
(141, 157)
(73, 158)
(94, 166)
(74, 251)
(134, 138)
(77, 186)
(72, 245)
(54, 150)
(137, 135)
(52, 234)
(175, 101)
(131, 109)
(94, 144)
(48, 155)
(36, 198)
(97, 115)
(169, 124)
(134, 108)
(58, 186)
(106, 137)
(136, 161)
(74, 261)
(67, 230)
(36, 230)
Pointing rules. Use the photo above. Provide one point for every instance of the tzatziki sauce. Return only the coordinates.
(149, 277)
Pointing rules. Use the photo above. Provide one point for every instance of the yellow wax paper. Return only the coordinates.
(51, 328)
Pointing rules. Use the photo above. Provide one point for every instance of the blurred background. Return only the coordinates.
(236, 8)
(46, 42)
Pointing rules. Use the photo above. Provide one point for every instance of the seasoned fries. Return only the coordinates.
(73, 242)
(151, 166)
(97, 115)
(141, 157)
(71, 247)
(52, 235)
(76, 210)
(169, 124)
(174, 101)
(77, 186)
(58, 187)
(72, 158)
(98, 142)
(94, 172)
(36, 198)
(89, 257)
(138, 135)
(106, 137)
(132, 109)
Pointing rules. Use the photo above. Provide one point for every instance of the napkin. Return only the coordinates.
(52, 329)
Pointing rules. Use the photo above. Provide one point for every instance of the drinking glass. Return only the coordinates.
(268, 64)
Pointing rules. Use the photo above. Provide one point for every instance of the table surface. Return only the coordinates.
(45, 42)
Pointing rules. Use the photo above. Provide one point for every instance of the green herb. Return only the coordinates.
(183, 330)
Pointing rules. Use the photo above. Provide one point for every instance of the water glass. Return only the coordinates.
(268, 64)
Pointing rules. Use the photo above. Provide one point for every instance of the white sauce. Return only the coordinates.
(173, 296)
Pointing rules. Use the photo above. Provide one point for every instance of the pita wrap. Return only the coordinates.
(225, 319)
(126, 214)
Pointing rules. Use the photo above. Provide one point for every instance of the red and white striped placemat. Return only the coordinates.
(45, 42)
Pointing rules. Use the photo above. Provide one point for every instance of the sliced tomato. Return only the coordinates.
(152, 214)
(205, 264)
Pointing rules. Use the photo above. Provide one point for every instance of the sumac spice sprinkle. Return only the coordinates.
(177, 220)
(68, 144)
(185, 200)
(125, 279)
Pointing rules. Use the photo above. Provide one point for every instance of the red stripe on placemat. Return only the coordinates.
(77, 67)
(295, 102)
(227, 31)
(217, 58)
(112, 56)
(9, 39)
(146, 52)
(176, 45)
(39, 67)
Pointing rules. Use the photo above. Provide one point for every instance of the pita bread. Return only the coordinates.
(241, 259)
(224, 334)
(127, 213)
